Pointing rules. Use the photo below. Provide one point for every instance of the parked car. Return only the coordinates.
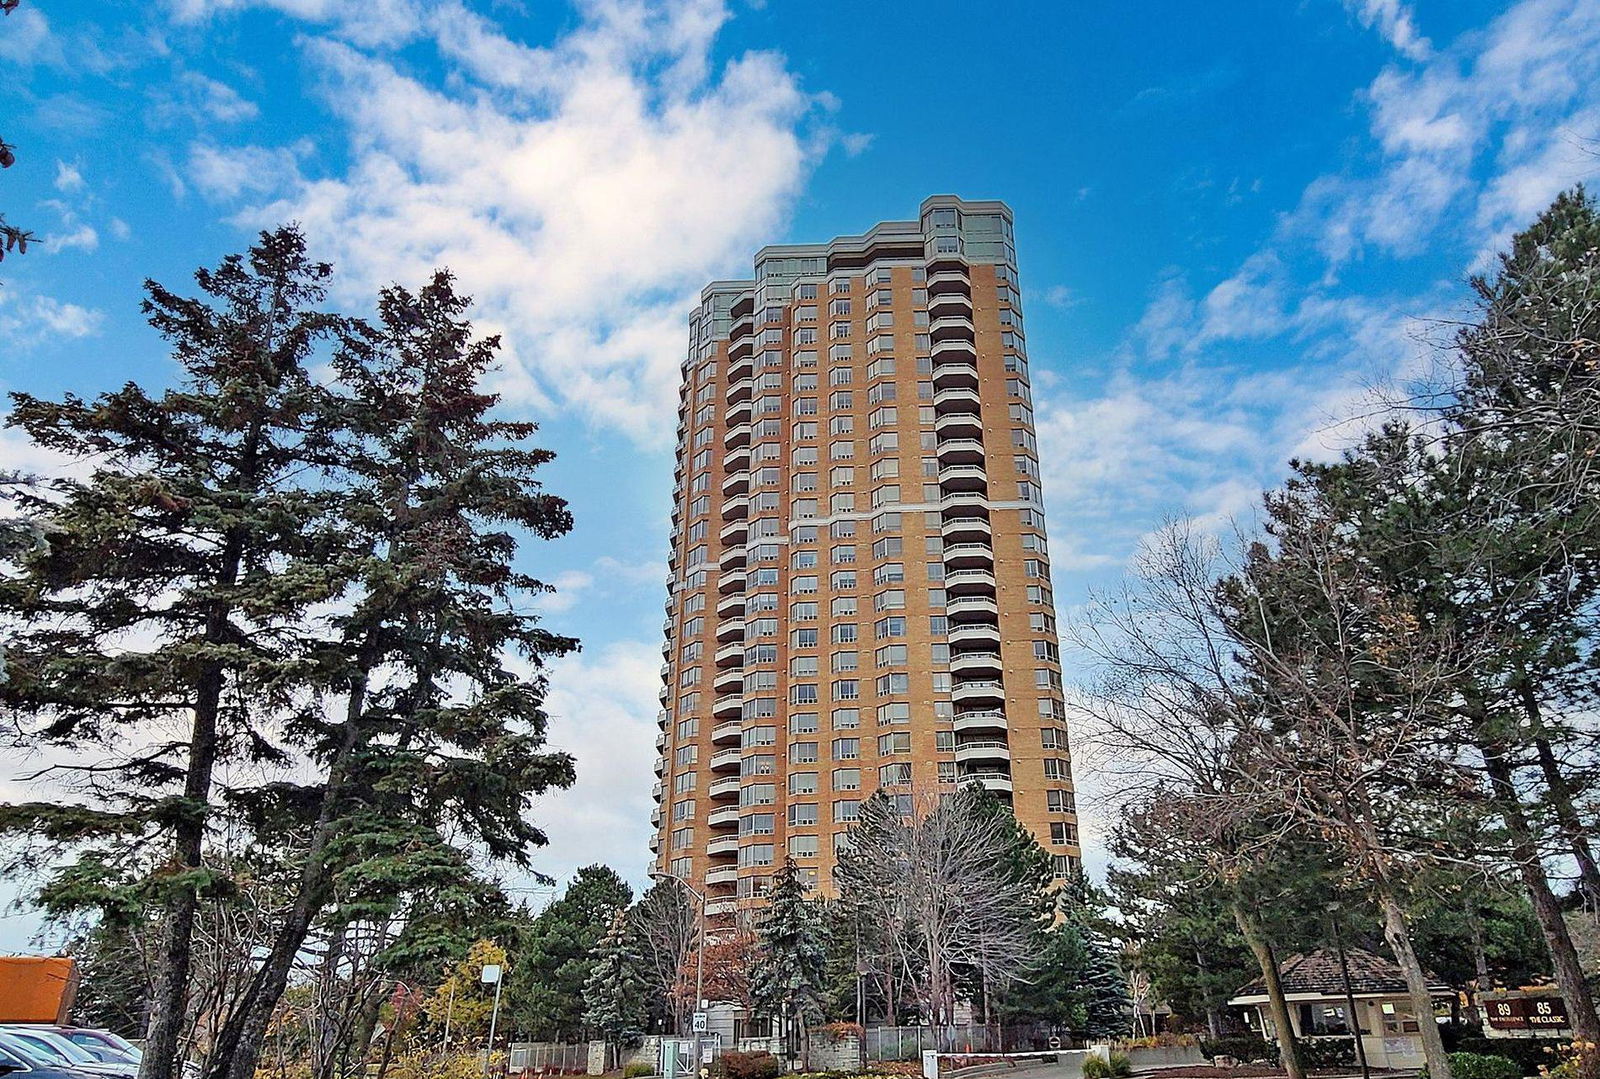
(17, 1059)
(113, 1048)
(52, 1048)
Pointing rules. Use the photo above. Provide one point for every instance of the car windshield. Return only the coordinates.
(75, 1054)
(31, 1051)
(117, 1041)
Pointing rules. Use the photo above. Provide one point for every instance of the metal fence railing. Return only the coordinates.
(549, 1058)
(909, 1043)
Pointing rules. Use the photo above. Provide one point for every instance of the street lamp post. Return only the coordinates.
(700, 946)
(1349, 994)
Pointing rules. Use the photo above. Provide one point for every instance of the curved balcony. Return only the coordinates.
(976, 635)
(732, 581)
(728, 816)
(972, 609)
(960, 451)
(655, 844)
(728, 734)
(721, 875)
(968, 556)
(996, 781)
(951, 327)
(729, 680)
(956, 399)
(655, 817)
(954, 279)
(952, 375)
(741, 390)
(731, 655)
(965, 502)
(966, 529)
(733, 558)
(661, 766)
(726, 760)
(963, 478)
(661, 719)
(731, 606)
(969, 582)
(739, 413)
(663, 694)
(957, 425)
(736, 460)
(661, 741)
(657, 791)
(737, 532)
(978, 693)
(949, 302)
(953, 350)
(731, 630)
(724, 787)
(729, 704)
(980, 720)
(983, 749)
(736, 508)
(737, 435)
(742, 360)
(736, 483)
(723, 846)
(976, 664)
(716, 908)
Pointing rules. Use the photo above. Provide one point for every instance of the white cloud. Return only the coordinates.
(582, 192)
(226, 173)
(28, 40)
(27, 320)
(1395, 22)
(200, 99)
(68, 178)
(602, 710)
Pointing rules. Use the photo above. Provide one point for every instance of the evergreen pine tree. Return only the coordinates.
(159, 631)
(1107, 1004)
(614, 996)
(553, 954)
(447, 748)
(789, 972)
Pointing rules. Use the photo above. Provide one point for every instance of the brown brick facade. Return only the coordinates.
(858, 560)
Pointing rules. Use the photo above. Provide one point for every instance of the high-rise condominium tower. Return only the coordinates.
(860, 594)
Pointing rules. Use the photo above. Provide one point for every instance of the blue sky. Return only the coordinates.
(1232, 221)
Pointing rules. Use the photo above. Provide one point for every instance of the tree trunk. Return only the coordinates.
(1213, 1020)
(1398, 934)
(1562, 802)
(170, 999)
(238, 1049)
(1480, 961)
(1288, 1047)
(1571, 826)
(1557, 938)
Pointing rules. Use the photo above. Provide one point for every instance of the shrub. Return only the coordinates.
(1245, 1047)
(1483, 1066)
(1121, 1066)
(1095, 1068)
(636, 1069)
(760, 1065)
(1327, 1052)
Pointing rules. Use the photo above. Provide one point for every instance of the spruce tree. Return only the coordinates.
(159, 631)
(438, 670)
(788, 976)
(552, 955)
(613, 996)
